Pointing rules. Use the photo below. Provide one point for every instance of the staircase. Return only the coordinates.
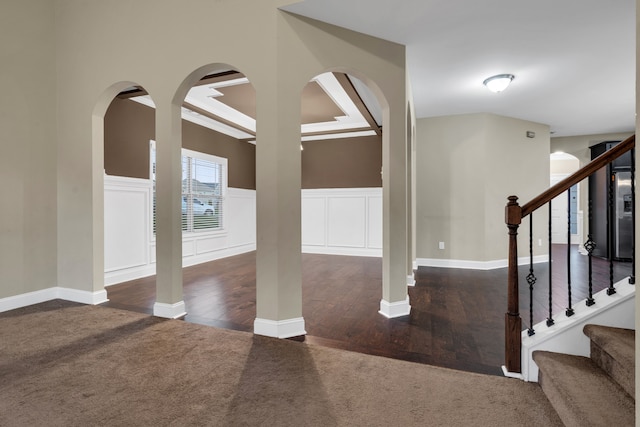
(592, 391)
(514, 215)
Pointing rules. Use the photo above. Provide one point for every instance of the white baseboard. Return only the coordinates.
(279, 328)
(335, 250)
(510, 374)
(37, 297)
(120, 276)
(395, 309)
(24, 300)
(476, 265)
(125, 275)
(218, 254)
(169, 311)
(84, 297)
(411, 281)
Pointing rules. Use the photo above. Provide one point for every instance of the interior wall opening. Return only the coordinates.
(341, 158)
(217, 201)
(566, 210)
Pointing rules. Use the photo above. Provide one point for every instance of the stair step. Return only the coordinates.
(614, 350)
(581, 392)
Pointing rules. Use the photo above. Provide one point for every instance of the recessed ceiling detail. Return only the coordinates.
(330, 107)
(317, 106)
(209, 99)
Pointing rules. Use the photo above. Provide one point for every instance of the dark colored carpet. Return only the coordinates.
(65, 364)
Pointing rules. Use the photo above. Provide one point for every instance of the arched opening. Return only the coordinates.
(217, 247)
(342, 209)
(129, 126)
(218, 197)
(217, 184)
(566, 210)
(121, 191)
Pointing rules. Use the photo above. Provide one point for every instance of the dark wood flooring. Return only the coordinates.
(456, 320)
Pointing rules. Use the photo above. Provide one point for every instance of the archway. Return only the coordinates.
(565, 228)
(342, 205)
(120, 223)
(218, 196)
(129, 126)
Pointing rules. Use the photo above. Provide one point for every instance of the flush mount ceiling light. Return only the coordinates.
(498, 83)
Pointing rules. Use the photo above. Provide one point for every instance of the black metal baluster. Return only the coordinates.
(531, 278)
(610, 200)
(589, 246)
(569, 311)
(550, 318)
(632, 278)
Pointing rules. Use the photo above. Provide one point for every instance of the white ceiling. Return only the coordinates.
(573, 60)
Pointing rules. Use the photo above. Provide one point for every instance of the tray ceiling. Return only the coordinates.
(333, 105)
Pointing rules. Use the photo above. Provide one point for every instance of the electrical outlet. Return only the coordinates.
(441, 245)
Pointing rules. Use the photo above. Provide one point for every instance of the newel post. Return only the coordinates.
(513, 322)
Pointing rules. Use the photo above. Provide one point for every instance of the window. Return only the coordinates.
(204, 180)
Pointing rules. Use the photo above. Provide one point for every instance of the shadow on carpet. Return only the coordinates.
(67, 364)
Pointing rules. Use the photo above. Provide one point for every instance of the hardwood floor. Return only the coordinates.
(456, 321)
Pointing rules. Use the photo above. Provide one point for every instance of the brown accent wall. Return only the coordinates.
(240, 155)
(128, 127)
(332, 163)
(342, 163)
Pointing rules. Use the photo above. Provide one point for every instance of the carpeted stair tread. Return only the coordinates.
(581, 392)
(613, 350)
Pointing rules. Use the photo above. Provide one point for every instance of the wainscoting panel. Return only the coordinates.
(130, 247)
(240, 222)
(345, 221)
(342, 221)
(188, 246)
(374, 231)
(211, 243)
(126, 223)
(314, 220)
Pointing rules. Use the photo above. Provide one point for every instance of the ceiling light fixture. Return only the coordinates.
(498, 83)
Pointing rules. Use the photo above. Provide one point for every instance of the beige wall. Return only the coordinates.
(564, 166)
(27, 147)
(467, 167)
(279, 53)
(309, 47)
(578, 146)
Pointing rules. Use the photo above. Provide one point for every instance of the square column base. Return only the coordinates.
(279, 328)
(169, 311)
(411, 281)
(395, 309)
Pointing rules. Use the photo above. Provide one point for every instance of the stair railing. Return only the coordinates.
(514, 213)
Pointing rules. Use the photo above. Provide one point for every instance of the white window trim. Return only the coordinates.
(198, 155)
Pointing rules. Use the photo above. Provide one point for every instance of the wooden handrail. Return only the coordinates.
(513, 217)
(597, 163)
